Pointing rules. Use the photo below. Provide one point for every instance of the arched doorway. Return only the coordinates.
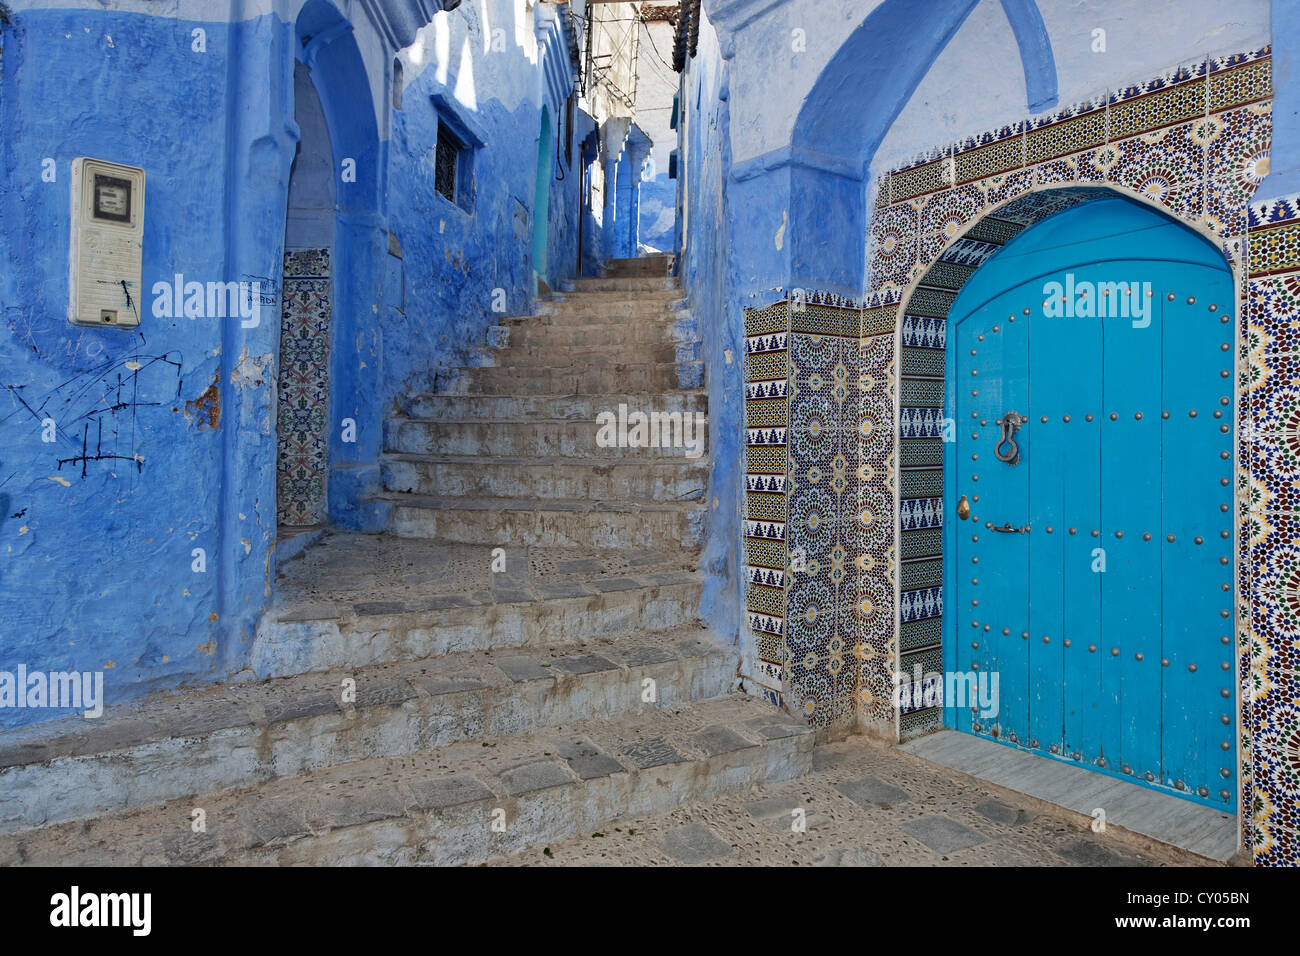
(1090, 392)
(542, 199)
(337, 239)
(306, 313)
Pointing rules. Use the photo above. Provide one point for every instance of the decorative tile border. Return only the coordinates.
(302, 462)
(1194, 142)
(1270, 535)
(1177, 97)
(767, 419)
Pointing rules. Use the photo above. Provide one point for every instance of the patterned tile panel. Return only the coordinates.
(302, 428)
(1178, 97)
(767, 418)
(823, 505)
(1270, 535)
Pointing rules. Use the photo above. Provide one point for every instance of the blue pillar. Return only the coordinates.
(1284, 178)
(636, 152)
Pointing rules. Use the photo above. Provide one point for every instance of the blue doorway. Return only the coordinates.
(542, 199)
(1088, 543)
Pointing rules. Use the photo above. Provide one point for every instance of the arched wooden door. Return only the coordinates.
(1090, 382)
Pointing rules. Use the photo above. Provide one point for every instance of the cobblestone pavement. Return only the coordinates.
(865, 804)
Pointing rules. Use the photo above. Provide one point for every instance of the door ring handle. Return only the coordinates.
(1010, 424)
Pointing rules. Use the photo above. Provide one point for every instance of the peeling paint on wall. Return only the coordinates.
(206, 409)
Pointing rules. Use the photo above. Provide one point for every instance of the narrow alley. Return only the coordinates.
(720, 433)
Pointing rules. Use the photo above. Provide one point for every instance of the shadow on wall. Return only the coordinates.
(658, 212)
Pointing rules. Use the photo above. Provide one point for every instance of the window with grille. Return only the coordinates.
(447, 163)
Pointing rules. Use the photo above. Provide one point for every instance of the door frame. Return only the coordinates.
(948, 621)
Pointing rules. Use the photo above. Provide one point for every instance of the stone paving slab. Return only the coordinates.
(947, 820)
(1159, 816)
(439, 806)
(694, 843)
(343, 574)
(942, 834)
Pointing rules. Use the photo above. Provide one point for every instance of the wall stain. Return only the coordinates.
(206, 409)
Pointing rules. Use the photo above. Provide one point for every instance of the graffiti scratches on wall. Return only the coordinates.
(96, 416)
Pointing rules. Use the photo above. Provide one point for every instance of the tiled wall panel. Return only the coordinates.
(867, 602)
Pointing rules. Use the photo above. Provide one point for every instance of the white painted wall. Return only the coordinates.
(962, 95)
(655, 89)
(968, 90)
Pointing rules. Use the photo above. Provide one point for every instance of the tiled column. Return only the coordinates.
(1270, 537)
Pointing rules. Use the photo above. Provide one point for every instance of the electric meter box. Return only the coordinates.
(107, 236)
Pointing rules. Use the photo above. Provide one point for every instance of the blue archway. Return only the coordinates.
(326, 45)
(856, 99)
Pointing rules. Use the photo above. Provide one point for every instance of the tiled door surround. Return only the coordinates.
(845, 401)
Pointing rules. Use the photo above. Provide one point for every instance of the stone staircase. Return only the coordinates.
(409, 700)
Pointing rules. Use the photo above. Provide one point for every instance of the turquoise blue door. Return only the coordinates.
(1090, 384)
(542, 197)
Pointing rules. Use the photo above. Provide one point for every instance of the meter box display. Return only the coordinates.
(107, 237)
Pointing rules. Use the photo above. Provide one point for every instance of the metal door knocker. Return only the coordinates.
(1010, 424)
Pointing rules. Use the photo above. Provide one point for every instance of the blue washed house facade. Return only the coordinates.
(301, 147)
(832, 218)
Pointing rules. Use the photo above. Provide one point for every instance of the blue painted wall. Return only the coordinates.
(99, 525)
(166, 434)
(658, 212)
(706, 275)
(456, 256)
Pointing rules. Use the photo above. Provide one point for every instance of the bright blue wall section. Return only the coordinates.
(455, 257)
(97, 554)
(95, 568)
(706, 276)
(562, 218)
(658, 212)
(1284, 179)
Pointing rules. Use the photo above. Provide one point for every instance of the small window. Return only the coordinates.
(447, 163)
(397, 84)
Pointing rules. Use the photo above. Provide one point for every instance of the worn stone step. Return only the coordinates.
(518, 355)
(301, 640)
(600, 310)
(570, 523)
(439, 806)
(234, 734)
(656, 265)
(582, 338)
(620, 284)
(354, 599)
(573, 407)
(665, 479)
(679, 435)
(575, 379)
